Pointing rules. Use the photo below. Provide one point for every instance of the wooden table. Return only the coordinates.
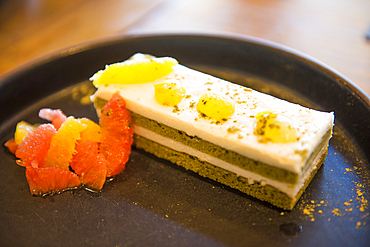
(333, 31)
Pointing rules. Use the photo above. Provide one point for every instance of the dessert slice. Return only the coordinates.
(261, 145)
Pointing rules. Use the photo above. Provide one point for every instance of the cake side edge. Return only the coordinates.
(257, 190)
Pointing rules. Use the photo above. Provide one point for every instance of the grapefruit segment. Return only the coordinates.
(50, 180)
(32, 151)
(116, 134)
(89, 164)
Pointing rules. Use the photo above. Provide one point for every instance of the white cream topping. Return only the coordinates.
(310, 124)
(288, 189)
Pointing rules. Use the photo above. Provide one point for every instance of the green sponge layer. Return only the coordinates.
(262, 192)
(215, 151)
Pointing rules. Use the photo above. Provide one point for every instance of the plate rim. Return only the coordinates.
(104, 41)
(44, 60)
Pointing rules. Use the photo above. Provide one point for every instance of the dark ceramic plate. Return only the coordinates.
(155, 203)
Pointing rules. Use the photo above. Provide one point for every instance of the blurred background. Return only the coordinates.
(332, 31)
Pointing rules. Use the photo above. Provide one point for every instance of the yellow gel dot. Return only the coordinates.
(275, 127)
(215, 106)
(169, 93)
(22, 130)
(138, 69)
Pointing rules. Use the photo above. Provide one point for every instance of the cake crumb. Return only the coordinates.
(360, 197)
(233, 130)
(309, 210)
(358, 224)
(363, 217)
(358, 201)
(336, 212)
(175, 109)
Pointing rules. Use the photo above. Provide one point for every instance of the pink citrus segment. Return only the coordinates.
(116, 134)
(32, 151)
(57, 117)
(50, 180)
(92, 131)
(63, 143)
(89, 164)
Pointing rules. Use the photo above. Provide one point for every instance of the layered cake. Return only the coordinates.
(263, 146)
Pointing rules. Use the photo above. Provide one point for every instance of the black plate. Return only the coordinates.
(155, 203)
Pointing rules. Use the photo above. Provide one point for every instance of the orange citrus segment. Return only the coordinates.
(92, 131)
(62, 144)
(139, 69)
(22, 130)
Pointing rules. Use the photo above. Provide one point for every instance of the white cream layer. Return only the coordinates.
(311, 125)
(288, 189)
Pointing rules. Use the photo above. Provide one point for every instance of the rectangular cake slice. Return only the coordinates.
(263, 146)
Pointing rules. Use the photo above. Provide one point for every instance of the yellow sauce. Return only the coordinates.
(142, 69)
